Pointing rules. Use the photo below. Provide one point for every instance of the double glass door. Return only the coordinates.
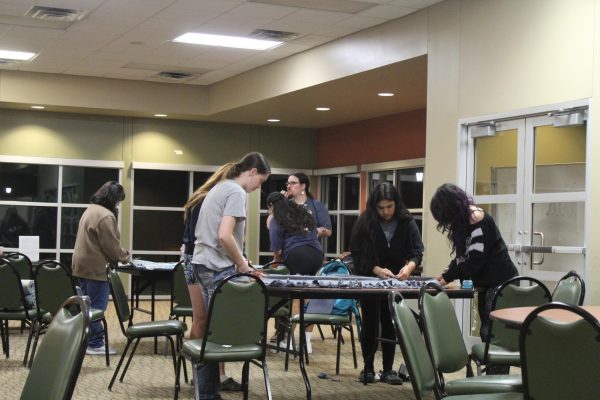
(530, 175)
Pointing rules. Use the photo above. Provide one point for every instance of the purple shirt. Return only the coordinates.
(282, 240)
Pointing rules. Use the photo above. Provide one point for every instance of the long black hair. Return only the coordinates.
(292, 217)
(108, 196)
(365, 229)
(249, 161)
(303, 179)
(451, 208)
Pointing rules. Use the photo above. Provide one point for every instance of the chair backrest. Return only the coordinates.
(119, 296)
(12, 297)
(441, 330)
(179, 291)
(560, 360)
(570, 289)
(53, 285)
(22, 263)
(237, 313)
(58, 359)
(275, 267)
(412, 344)
(509, 295)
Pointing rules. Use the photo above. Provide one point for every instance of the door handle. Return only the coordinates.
(541, 261)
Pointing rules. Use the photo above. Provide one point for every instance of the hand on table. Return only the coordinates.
(383, 273)
(405, 272)
(441, 280)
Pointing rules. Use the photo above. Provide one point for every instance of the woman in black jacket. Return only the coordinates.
(386, 243)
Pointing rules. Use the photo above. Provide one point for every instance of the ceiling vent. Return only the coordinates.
(6, 61)
(269, 34)
(175, 75)
(55, 14)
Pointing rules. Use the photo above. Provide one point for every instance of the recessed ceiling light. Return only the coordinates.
(179, 152)
(160, 115)
(385, 94)
(226, 41)
(16, 55)
(273, 120)
(322, 108)
(38, 107)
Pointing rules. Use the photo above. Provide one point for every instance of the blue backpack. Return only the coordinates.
(341, 306)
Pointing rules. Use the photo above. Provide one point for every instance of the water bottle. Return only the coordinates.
(467, 284)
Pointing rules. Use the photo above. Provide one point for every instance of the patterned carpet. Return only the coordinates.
(151, 376)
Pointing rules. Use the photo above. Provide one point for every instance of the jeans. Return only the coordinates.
(98, 294)
(207, 373)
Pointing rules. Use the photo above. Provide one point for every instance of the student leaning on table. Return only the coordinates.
(480, 253)
(97, 243)
(191, 212)
(386, 243)
(218, 251)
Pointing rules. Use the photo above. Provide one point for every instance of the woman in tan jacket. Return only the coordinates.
(97, 243)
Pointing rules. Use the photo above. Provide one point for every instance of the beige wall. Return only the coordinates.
(489, 57)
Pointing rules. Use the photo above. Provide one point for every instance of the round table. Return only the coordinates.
(516, 316)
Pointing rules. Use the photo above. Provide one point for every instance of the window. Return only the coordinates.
(31, 204)
(275, 183)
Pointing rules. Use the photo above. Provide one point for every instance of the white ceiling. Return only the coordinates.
(132, 39)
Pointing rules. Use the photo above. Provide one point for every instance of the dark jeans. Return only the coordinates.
(484, 306)
(98, 294)
(375, 312)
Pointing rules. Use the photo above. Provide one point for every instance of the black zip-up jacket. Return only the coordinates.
(406, 245)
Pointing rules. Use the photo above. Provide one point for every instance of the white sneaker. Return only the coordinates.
(308, 347)
(283, 344)
(95, 351)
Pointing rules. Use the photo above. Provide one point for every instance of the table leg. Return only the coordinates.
(152, 294)
(302, 344)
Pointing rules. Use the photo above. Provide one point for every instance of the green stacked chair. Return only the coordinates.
(56, 367)
(502, 344)
(136, 332)
(236, 329)
(570, 289)
(13, 306)
(181, 303)
(560, 360)
(416, 357)
(22, 263)
(448, 351)
(53, 285)
(280, 309)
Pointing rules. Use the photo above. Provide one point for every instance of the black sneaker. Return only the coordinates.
(391, 377)
(403, 373)
(369, 376)
(229, 385)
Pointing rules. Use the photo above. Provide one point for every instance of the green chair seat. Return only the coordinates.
(181, 311)
(97, 314)
(281, 312)
(322, 319)
(496, 354)
(485, 384)
(15, 315)
(155, 328)
(192, 349)
(489, 396)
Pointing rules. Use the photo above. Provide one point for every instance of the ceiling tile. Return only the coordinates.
(262, 10)
(361, 22)
(387, 12)
(233, 25)
(289, 25)
(318, 17)
(213, 6)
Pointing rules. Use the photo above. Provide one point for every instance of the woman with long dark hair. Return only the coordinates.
(219, 246)
(298, 189)
(480, 253)
(385, 243)
(98, 243)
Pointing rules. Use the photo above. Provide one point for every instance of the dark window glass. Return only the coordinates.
(200, 178)
(275, 183)
(161, 188)
(70, 217)
(375, 178)
(262, 260)
(25, 221)
(350, 192)
(348, 222)
(157, 230)
(410, 185)
(330, 242)
(65, 258)
(331, 192)
(264, 234)
(80, 183)
(28, 182)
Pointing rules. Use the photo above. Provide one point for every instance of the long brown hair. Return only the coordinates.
(200, 193)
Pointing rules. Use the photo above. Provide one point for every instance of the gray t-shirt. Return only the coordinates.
(227, 198)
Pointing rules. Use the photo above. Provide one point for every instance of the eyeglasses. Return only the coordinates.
(291, 183)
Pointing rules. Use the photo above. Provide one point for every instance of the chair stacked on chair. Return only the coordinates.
(282, 313)
(448, 351)
(236, 329)
(502, 344)
(181, 303)
(56, 367)
(414, 351)
(570, 289)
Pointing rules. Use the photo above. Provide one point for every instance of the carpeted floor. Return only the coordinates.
(151, 376)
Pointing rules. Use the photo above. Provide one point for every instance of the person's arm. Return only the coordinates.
(416, 251)
(324, 228)
(276, 240)
(227, 240)
(110, 241)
